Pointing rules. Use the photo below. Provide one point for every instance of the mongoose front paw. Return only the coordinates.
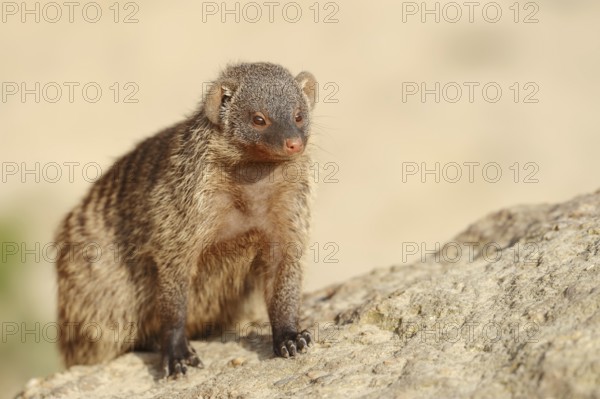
(289, 344)
(177, 355)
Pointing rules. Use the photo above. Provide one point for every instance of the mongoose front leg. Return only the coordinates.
(283, 306)
(177, 353)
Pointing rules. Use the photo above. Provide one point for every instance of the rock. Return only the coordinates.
(238, 361)
(509, 308)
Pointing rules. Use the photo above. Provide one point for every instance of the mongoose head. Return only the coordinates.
(263, 109)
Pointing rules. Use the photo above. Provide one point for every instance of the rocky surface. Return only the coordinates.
(509, 308)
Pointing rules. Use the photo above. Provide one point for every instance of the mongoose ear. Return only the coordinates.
(308, 84)
(218, 95)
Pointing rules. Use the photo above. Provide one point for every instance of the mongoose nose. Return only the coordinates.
(293, 146)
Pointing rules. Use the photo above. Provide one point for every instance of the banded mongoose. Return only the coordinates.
(161, 215)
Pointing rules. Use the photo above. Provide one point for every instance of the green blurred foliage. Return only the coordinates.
(22, 356)
(9, 233)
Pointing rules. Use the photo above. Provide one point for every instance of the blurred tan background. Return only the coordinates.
(368, 58)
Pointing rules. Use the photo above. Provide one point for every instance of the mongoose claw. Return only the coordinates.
(177, 358)
(195, 361)
(177, 367)
(306, 338)
(293, 343)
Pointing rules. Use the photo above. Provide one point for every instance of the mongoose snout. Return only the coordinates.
(294, 146)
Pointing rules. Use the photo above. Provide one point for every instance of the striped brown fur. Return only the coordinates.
(185, 235)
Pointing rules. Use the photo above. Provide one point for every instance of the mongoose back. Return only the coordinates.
(190, 222)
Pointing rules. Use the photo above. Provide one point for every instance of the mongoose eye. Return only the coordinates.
(259, 120)
(298, 118)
